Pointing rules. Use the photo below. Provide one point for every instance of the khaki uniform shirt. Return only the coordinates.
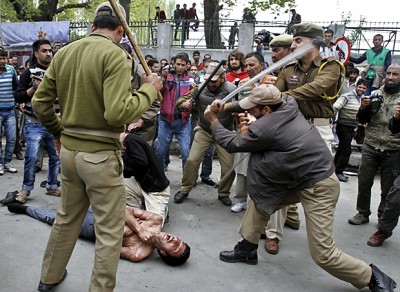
(308, 86)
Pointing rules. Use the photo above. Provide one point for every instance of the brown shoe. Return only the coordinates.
(56, 192)
(272, 245)
(22, 196)
(377, 238)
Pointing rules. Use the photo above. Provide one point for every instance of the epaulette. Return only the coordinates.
(290, 64)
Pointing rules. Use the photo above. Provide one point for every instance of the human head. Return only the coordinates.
(181, 61)
(353, 74)
(236, 60)
(154, 65)
(196, 56)
(392, 80)
(20, 70)
(254, 62)
(307, 33)
(207, 56)
(157, 8)
(218, 79)
(3, 60)
(262, 100)
(361, 86)
(42, 52)
(280, 46)
(14, 61)
(172, 249)
(293, 11)
(328, 34)
(106, 18)
(177, 6)
(172, 62)
(194, 70)
(148, 57)
(349, 66)
(163, 62)
(56, 46)
(377, 40)
(194, 5)
(184, 6)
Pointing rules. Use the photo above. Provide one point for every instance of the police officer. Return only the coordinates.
(311, 80)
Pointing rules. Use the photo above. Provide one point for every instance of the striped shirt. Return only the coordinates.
(8, 84)
(347, 105)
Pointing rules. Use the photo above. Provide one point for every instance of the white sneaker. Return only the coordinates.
(10, 167)
(239, 207)
(1, 169)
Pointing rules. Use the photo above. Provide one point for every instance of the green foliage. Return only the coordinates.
(275, 6)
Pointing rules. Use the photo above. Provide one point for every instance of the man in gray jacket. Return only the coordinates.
(290, 163)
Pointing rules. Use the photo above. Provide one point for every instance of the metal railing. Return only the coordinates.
(360, 33)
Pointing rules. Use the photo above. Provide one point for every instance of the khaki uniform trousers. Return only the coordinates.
(155, 202)
(88, 179)
(201, 142)
(319, 202)
(274, 228)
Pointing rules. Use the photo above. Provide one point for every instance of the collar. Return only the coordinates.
(102, 34)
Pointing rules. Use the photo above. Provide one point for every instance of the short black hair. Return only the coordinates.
(183, 56)
(176, 261)
(196, 52)
(149, 56)
(257, 55)
(362, 81)
(354, 70)
(329, 31)
(3, 53)
(106, 21)
(151, 62)
(38, 43)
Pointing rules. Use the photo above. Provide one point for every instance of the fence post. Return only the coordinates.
(246, 33)
(164, 40)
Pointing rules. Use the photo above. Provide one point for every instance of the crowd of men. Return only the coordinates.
(274, 139)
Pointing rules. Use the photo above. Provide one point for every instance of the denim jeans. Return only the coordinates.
(35, 134)
(166, 131)
(7, 120)
(373, 160)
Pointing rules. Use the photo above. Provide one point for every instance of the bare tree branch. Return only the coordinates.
(69, 6)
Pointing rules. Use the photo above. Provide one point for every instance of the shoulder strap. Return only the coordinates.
(342, 75)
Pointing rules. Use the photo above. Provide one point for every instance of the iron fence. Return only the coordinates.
(192, 34)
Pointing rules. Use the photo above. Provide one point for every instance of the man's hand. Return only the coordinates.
(365, 102)
(146, 236)
(154, 80)
(217, 106)
(58, 145)
(397, 111)
(41, 34)
(187, 105)
(135, 125)
(210, 114)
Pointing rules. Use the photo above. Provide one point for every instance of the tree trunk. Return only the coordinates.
(211, 24)
(127, 7)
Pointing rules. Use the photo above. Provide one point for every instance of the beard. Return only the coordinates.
(235, 67)
(391, 88)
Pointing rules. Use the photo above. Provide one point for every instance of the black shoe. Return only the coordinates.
(342, 177)
(225, 200)
(10, 198)
(244, 251)
(380, 282)
(179, 197)
(209, 181)
(51, 287)
(44, 183)
(19, 156)
(17, 208)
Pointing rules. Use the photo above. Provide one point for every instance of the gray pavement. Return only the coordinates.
(208, 227)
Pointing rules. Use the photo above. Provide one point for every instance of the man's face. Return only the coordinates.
(253, 66)
(234, 63)
(278, 53)
(392, 77)
(193, 70)
(299, 42)
(14, 61)
(155, 68)
(328, 37)
(180, 66)
(256, 112)
(353, 76)
(214, 86)
(196, 57)
(377, 40)
(360, 89)
(163, 63)
(44, 55)
(170, 244)
(207, 56)
(3, 62)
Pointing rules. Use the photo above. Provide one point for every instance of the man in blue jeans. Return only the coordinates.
(8, 84)
(35, 133)
(172, 121)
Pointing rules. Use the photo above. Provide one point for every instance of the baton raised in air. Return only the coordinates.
(282, 62)
(131, 39)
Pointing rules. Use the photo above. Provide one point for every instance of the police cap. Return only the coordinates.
(309, 30)
(282, 40)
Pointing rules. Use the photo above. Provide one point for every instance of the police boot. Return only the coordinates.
(244, 251)
(380, 282)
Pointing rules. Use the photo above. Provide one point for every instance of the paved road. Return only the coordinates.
(208, 227)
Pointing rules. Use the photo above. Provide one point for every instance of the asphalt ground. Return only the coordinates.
(208, 227)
